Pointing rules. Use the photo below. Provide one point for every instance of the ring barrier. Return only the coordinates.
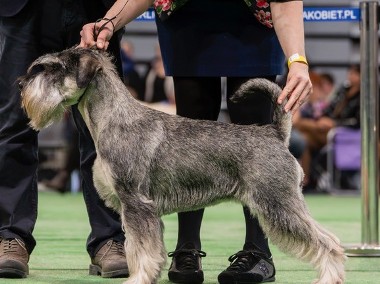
(369, 122)
(367, 17)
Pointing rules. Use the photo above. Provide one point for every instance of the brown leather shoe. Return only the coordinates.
(110, 261)
(13, 259)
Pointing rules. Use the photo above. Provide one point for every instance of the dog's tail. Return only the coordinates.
(259, 86)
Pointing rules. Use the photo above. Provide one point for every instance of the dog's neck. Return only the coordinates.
(122, 107)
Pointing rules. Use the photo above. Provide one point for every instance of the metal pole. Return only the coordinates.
(369, 112)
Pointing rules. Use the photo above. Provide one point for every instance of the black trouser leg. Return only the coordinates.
(255, 110)
(200, 98)
(18, 143)
(105, 223)
(43, 26)
(197, 98)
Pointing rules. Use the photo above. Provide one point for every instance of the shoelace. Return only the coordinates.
(187, 259)
(114, 247)
(11, 245)
(244, 260)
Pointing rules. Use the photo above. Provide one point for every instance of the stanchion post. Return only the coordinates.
(369, 112)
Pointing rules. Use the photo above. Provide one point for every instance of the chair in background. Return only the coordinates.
(344, 158)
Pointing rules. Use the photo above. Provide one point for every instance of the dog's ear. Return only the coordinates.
(88, 66)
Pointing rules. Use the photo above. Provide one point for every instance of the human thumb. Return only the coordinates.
(102, 39)
(100, 43)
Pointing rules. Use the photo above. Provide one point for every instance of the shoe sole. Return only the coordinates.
(97, 271)
(12, 273)
(190, 278)
(271, 279)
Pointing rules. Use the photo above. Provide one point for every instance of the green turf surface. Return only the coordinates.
(62, 228)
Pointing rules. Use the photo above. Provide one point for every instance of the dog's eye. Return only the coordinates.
(20, 85)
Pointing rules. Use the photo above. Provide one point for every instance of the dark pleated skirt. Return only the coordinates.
(218, 38)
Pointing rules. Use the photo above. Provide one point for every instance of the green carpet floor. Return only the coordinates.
(62, 228)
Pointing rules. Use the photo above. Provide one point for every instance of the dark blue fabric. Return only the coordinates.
(42, 26)
(9, 8)
(210, 42)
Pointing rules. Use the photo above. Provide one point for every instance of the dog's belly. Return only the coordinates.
(188, 201)
(189, 190)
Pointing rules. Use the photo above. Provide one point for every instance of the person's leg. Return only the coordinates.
(105, 242)
(297, 144)
(106, 239)
(245, 265)
(255, 110)
(18, 145)
(315, 139)
(196, 98)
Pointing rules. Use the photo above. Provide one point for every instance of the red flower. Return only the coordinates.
(264, 18)
(164, 4)
(262, 4)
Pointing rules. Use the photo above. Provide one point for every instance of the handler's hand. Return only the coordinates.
(298, 87)
(92, 35)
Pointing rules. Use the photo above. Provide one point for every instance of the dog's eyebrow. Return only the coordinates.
(50, 63)
(49, 60)
(51, 66)
(35, 69)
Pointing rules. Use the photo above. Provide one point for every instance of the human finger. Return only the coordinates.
(300, 101)
(298, 96)
(87, 36)
(293, 97)
(298, 87)
(103, 31)
(102, 40)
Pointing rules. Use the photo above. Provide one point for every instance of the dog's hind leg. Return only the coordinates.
(288, 224)
(144, 247)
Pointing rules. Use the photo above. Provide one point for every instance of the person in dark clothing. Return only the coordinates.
(29, 29)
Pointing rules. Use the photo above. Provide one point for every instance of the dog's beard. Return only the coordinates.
(42, 103)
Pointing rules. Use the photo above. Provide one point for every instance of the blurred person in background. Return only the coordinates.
(321, 114)
(131, 76)
(158, 88)
(304, 120)
(328, 84)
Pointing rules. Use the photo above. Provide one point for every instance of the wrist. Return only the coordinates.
(296, 57)
(106, 23)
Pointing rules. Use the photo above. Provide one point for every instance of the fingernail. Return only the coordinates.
(100, 44)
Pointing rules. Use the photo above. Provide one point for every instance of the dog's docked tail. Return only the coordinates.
(260, 86)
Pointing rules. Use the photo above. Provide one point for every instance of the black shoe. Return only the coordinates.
(248, 267)
(186, 266)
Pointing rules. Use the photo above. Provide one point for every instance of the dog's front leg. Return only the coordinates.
(144, 247)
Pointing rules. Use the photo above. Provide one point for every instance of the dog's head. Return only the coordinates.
(56, 81)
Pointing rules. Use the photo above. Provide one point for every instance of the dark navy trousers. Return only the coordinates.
(43, 26)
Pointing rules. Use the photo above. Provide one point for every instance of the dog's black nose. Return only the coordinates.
(20, 85)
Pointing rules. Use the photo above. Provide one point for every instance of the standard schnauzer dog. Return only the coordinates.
(150, 163)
